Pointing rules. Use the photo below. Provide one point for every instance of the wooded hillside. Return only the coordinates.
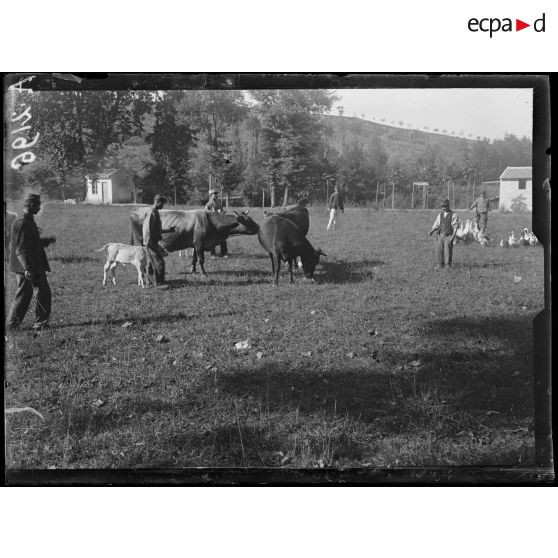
(284, 143)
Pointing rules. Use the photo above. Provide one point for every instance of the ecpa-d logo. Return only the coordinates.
(493, 25)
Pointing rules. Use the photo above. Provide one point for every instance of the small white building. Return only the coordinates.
(110, 186)
(516, 189)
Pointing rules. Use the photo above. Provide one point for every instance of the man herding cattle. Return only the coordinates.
(215, 205)
(28, 261)
(335, 205)
(482, 206)
(446, 226)
(152, 235)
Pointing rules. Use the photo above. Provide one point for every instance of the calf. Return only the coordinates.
(283, 240)
(125, 254)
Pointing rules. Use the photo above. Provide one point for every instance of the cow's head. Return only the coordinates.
(310, 261)
(246, 225)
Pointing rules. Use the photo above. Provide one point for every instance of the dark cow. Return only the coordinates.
(283, 240)
(297, 214)
(196, 228)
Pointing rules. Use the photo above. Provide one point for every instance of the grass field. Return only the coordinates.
(381, 362)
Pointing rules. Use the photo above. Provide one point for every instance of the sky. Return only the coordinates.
(487, 113)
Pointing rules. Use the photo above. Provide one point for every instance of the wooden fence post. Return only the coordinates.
(453, 203)
(384, 200)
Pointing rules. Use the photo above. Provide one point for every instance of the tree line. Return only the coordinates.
(271, 146)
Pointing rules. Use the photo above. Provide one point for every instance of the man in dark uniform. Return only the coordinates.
(152, 235)
(446, 226)
(481, 204)
(215, 205)
(27, 259)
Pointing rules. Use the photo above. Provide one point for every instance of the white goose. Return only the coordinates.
(513, 242)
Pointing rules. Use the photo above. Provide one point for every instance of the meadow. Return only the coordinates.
(382, 362)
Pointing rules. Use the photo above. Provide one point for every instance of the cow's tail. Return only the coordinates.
(101, 249)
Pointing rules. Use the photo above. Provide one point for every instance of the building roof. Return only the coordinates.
(102, 174)
(514, 173)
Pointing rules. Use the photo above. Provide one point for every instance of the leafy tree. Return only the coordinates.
(213, 114)
(170, 143)
(291, 136)
(78, 129)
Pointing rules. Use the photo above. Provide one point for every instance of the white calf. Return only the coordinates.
(125, 254)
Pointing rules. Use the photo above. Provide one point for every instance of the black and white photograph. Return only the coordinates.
(279, 276)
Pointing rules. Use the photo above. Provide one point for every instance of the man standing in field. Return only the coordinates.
(152, 235)
(446, 226)
(215, 205)
(335, 205)
(481, 205)
(27, 259)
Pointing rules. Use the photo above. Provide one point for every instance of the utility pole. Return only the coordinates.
(392, 193)
(377, 188)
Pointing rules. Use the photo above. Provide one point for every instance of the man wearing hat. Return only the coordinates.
(152, 235)
(481, 204)
(215, 205)
(335, 205)
(27, 259)
(446, 226)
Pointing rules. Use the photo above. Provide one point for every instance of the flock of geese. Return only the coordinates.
(469, 232)
(525, 239)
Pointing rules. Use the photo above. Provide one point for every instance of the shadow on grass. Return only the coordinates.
(75, 259)
(216, 277)
(453, 392)
(161, 318)
(483, 265)
(349, 272)
(475, 377)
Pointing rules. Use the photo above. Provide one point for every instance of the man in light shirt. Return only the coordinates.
(335, 205)
(446, 226)
(482, 206)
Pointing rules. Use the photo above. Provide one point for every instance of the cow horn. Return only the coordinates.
(247, 211)
(235, 212)
(320, 253)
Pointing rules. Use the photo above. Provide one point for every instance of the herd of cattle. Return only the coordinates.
(282, 235)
